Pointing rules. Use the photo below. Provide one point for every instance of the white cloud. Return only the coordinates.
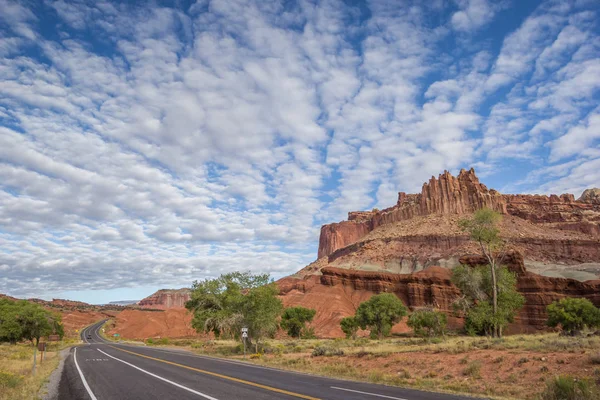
(473, 14)
(146, 140)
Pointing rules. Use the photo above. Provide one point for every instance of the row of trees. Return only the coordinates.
(239, 300)
(382, 311)
(489, 300)
(23, 320)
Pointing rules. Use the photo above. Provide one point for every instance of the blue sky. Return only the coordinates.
(145, 145)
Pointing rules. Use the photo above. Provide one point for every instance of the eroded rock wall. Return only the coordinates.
(337, 293)
(449, 195)
(167, 298)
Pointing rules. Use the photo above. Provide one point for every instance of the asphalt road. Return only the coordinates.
(101, 370)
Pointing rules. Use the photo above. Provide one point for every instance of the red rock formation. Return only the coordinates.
(166, 298)
(338, 292)
(449, 195)
(590, 196)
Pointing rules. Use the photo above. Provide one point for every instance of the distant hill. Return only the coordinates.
(166, 298)
(123, 302)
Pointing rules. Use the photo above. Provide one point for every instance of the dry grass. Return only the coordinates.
(515, 367)
(16, 362)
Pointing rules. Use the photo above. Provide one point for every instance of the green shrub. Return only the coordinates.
(566, 387)
(8, 380)
(428, 323)
(349, 326)
(327, 351)
(473, 369)
(573, 315)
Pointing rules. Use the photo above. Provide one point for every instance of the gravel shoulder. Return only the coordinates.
(49, 391)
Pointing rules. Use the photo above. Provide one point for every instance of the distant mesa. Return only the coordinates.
(123, 302)
(166, 298)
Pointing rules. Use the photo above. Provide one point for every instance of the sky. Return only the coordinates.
(144, 145)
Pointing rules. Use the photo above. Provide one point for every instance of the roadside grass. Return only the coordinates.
(515, 367)
(16, 362)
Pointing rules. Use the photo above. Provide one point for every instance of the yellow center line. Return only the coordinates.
(272, 389)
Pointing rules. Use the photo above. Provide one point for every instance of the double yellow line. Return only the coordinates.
(242, 381)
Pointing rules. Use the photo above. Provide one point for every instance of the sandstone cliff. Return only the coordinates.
(337, 293)
(558, 235)
(166, 298)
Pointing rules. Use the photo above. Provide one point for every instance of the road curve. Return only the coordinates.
(102, 370)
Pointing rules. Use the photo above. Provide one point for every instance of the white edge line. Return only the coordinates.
(368, 394)
(87, 387)
(160, 377)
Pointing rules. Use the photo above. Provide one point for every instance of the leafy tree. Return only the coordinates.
(483, 229)
(380, 313)
(226, 304)
(10, 329)
(24, 320)
(428, 323)
(476, 285)
(294, 319)
(349, 326)
(573, 315)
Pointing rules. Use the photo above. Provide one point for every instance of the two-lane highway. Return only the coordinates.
(101, 370)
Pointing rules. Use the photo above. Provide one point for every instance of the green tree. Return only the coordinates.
(483, 229)
(24, 320)
(226, 304)
(10, 329)
(294, 320)
(428, 323)
(380, 313)
(573, 315)
(349, 326)
(475, 304)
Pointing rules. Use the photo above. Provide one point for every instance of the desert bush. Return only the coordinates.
(294, 321)
(380, 313)
(428, 323)
(473, 369)
(361, 342)
(573, 315)
(349, 326)
(566, 387)
(595, 358)
(327, 351)
(308, 332)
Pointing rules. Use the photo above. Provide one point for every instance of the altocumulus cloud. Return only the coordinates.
(144, 144)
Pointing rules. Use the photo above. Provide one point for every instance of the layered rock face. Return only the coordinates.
(445, 195)
(337, 293)
(167, 298)
(535, 222)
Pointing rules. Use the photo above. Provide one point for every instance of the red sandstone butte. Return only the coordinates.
(166, 298)
(554, 233)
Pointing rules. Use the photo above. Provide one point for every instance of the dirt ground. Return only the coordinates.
(517, 367)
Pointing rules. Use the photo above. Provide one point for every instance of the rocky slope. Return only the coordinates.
(409, 249)
(558, 235)
(337, 293)
(166, 298)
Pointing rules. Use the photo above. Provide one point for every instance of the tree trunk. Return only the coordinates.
(495, 299)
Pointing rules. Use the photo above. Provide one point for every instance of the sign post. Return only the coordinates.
(42, 349)
(244, 336)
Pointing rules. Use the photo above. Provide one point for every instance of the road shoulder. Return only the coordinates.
(49, 391)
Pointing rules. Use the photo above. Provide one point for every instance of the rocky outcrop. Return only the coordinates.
(449, 195)
(167, 298)
(338, 292)
(591, 196)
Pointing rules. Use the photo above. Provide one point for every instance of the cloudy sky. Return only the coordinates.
(147, 145)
